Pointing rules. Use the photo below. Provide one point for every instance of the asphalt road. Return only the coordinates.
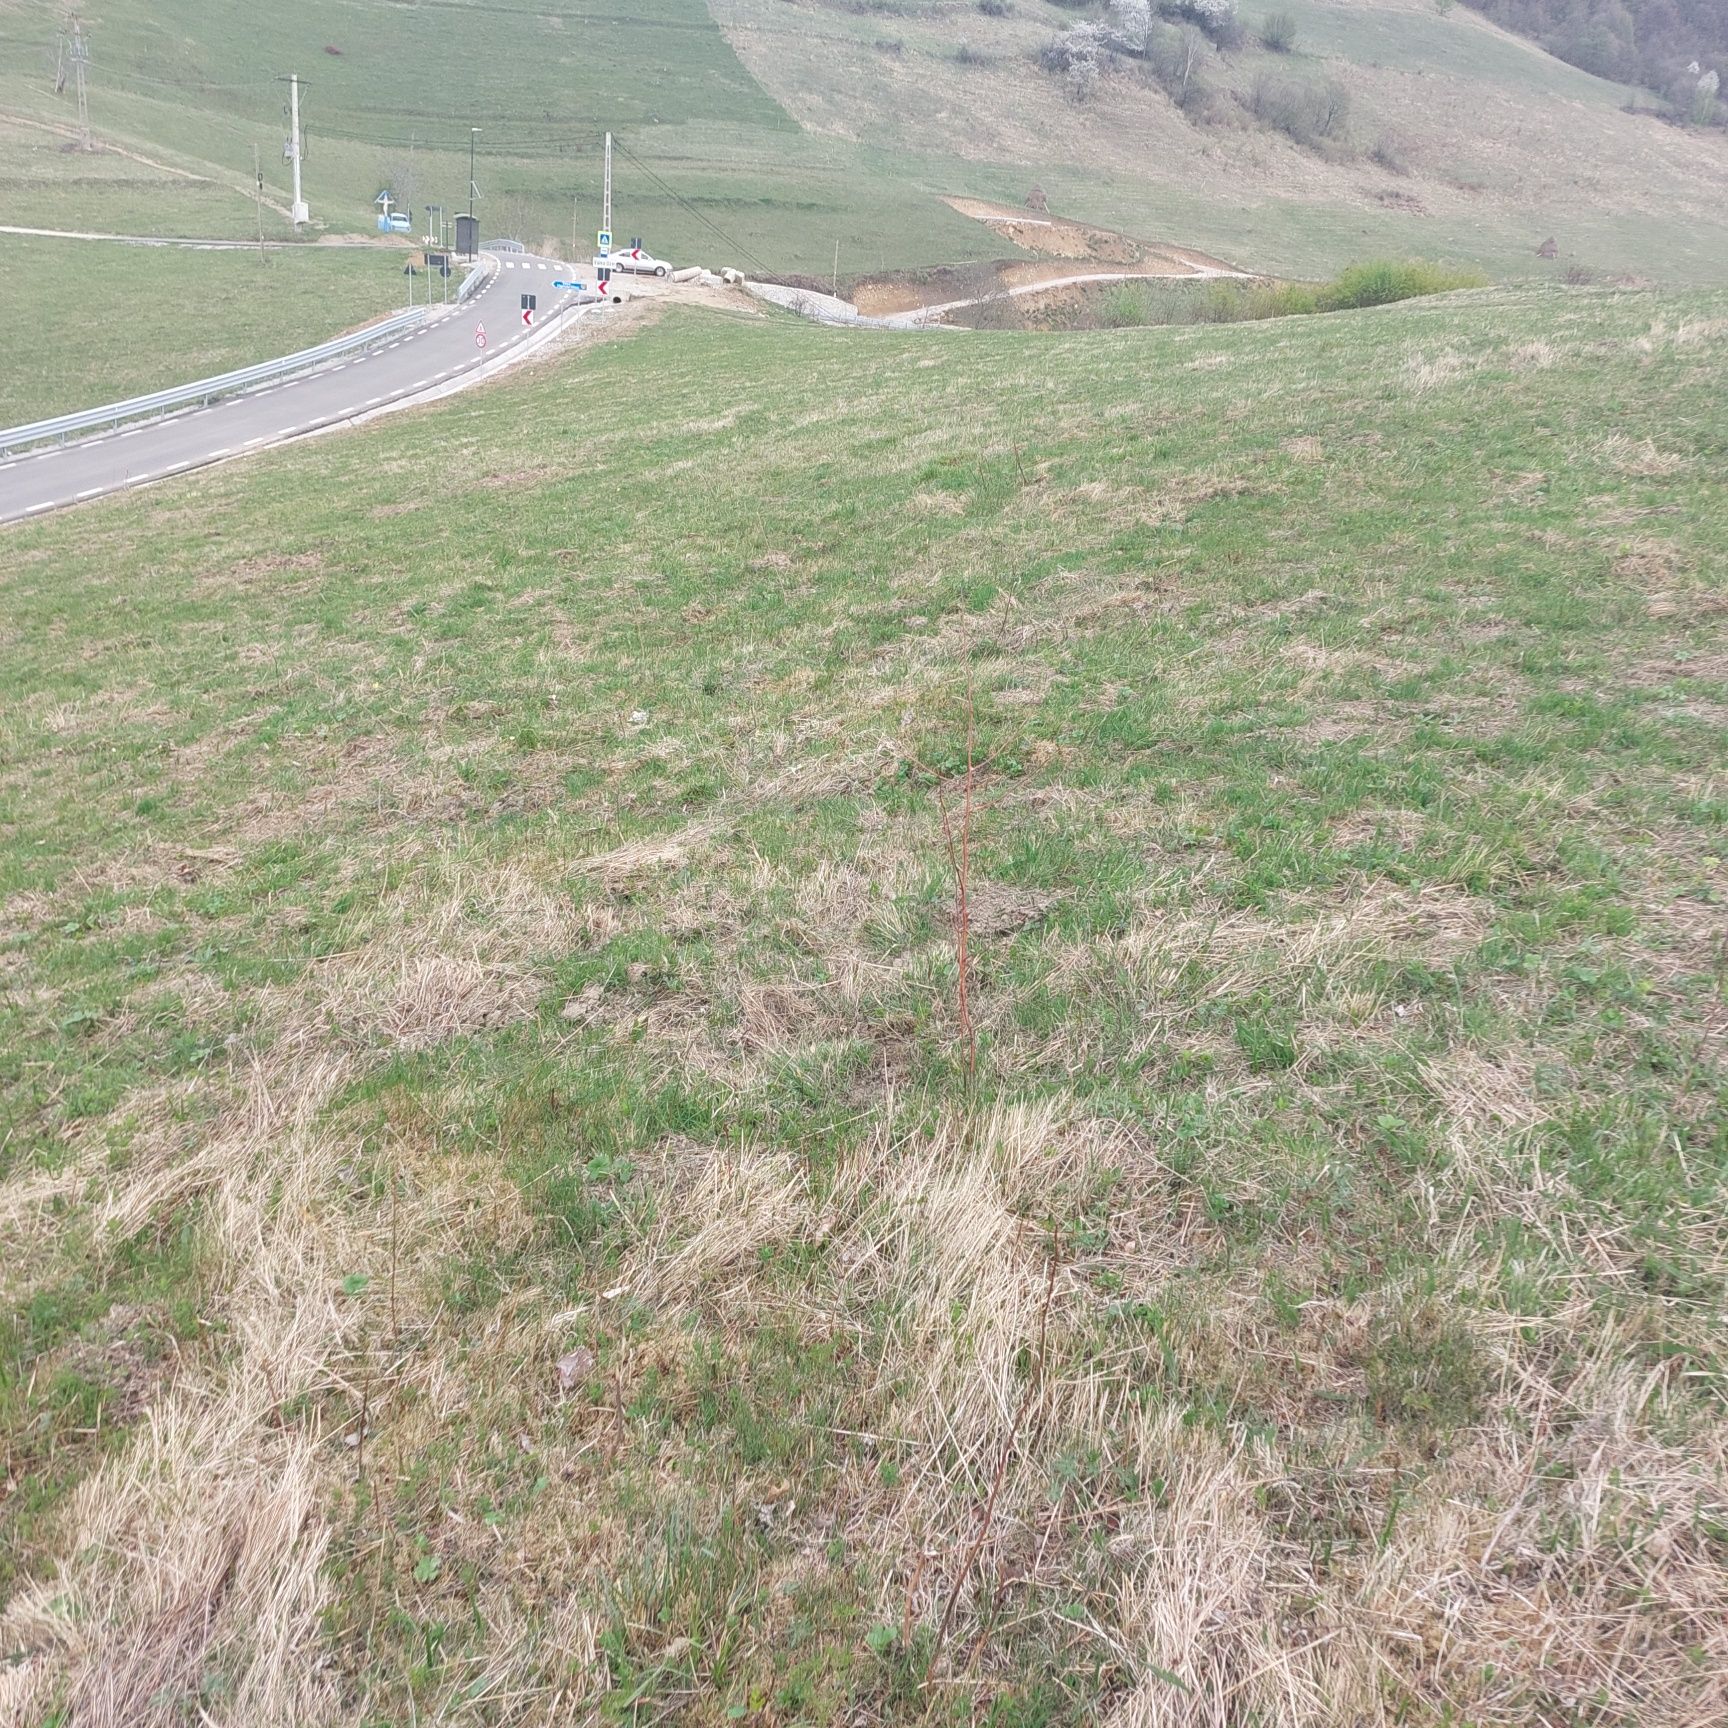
(440, 355)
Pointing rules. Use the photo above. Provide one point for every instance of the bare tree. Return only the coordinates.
(402, 181)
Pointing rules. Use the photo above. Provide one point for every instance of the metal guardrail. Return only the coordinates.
(208, 389)
(471, 282)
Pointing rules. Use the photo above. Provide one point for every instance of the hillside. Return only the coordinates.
(539, 1186)
(1489, 145)
(772, 132)
(1655, 43)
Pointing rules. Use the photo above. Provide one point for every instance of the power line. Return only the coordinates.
(713, 227)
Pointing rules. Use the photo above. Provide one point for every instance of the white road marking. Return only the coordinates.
(90, 494)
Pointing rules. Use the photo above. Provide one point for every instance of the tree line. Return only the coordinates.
(1671, 47)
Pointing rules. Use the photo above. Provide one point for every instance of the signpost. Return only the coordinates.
(479, 335)
(530, 303)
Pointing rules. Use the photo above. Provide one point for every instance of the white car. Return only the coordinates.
(633, 261)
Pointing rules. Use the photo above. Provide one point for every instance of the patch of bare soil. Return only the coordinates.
(1048, 235)
(1053, 236)
(1061, 245)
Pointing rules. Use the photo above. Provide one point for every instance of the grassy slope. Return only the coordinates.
(1506, 145)
(96, 323)
(480, 905)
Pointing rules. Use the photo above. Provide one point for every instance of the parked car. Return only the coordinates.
(635, 262)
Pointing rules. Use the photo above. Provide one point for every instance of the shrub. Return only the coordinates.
(1124, 307)
(1216, 17)
(1077, 54)
(1383, 281)
(1377, 283)
(890, 45)
(1312, 114)
(1177, 59)
(966, 55)
(995, 8)
(1132, 21)
(1278, 33)
(1704, 99)
(1391, 153)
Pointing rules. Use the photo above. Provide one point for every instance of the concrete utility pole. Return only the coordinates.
(258, 181)
(606, 193)
(473, 188)
(297, 210)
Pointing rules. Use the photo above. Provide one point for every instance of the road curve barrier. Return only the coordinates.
(206, 390)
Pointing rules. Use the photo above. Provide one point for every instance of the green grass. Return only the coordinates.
(94, 323)
(479, 962)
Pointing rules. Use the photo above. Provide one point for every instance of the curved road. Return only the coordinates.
(441, 355)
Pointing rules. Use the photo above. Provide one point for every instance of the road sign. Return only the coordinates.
(527, 317)
(576, 285)
(605, 239)
(479, 335)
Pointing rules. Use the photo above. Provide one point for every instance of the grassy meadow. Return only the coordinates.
(99, 323)
(390, 95)
(978, 1029)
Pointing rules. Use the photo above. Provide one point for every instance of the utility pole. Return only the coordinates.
(258, 181)
(473, 188)
(80, 68)
(297, 210)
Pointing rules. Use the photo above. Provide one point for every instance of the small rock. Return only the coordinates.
(573, 1369)
(638, 716)
(582, 1005)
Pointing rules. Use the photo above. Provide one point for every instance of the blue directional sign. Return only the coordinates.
(576, 285)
